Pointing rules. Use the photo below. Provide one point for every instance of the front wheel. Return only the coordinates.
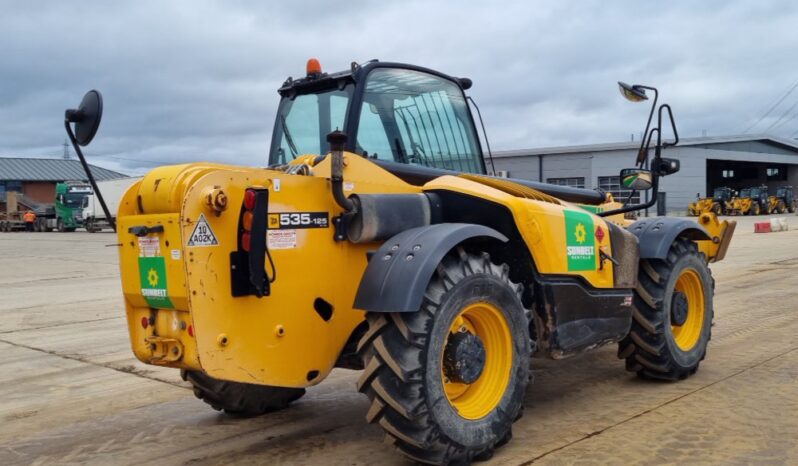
(242, 399)
(672, 318)
(446, 382)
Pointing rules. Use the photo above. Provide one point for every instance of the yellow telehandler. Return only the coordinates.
(751, 201)
(376, 240)
(717, 204)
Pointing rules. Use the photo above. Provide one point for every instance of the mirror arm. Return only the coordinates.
(88, 171)
(643, 144)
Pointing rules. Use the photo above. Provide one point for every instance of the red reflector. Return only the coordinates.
(145, 322)
(245, 242)
(249, 199)
(599, 234)
(191, 331)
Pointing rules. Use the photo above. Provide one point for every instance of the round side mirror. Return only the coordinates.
(86, 117)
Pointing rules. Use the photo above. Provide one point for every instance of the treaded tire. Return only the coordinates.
(402, 356)
(241, 399)
(717, 210)
(650, 349)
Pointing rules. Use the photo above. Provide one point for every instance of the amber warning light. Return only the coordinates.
(314, 67)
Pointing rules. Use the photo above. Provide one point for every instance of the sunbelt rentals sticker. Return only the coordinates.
(152, 272)
(580, 242)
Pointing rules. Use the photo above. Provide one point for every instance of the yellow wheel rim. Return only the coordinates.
(478, 399)
(686, 336)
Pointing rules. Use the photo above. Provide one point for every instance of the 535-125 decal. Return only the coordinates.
(293, 220)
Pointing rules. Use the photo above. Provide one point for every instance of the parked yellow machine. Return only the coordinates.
(751, 201)
(718, 204)
(385, 247)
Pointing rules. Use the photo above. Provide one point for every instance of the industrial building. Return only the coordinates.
(706, 163)
(36, 178)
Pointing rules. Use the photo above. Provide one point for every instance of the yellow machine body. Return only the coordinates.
(742, 205)
(702, 206)
(280, 339)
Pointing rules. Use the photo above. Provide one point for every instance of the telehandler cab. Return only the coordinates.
(376, 240)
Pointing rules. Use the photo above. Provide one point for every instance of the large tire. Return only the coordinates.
(716, 209)
(241, 399)
(417, 399)
(755, 209)
(657, 346)
(791, 207)
(60, 225)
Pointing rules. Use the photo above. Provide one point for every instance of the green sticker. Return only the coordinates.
(580, 240)
(152, 271)
(591, 208)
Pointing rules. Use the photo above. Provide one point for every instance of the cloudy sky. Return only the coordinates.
(196, 80)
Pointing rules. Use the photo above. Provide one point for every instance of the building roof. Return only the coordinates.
(791, 144)
(30, 169)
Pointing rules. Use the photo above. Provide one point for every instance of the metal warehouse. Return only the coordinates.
(706, 163)
(35, 178)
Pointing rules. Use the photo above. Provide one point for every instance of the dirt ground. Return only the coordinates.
(71, 392)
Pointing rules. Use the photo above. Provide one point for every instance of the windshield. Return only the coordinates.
(756, 192)
(781, 192)
(417, 118)
(720, 194)
(745, 192)
(303, 123)
(74, 200)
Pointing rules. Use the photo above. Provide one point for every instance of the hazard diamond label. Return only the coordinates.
(202, 234)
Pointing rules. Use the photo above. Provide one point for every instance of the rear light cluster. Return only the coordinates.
(246, 219)
(248, 266)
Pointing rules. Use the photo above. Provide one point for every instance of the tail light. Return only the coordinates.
(247, 264)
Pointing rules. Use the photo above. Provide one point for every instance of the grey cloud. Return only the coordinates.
(197, 80)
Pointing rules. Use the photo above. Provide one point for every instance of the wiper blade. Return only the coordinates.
(288, 138)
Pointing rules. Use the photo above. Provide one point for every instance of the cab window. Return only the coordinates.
(417, 118)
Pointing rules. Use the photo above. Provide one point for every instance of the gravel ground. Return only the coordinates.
(73, 394)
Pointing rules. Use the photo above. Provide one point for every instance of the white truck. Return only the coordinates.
(112, 190)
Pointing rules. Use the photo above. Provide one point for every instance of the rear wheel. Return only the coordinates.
(755, 209)
(782, 207)
(791, 207)
(716, 209)
(237, 398)
(446, 382)
(673, 314)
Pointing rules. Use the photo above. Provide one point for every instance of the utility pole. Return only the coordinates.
(66, 150)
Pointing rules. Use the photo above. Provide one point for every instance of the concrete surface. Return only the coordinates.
(71, 392)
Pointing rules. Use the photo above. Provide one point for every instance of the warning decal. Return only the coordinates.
(202, 234)
(281, 239)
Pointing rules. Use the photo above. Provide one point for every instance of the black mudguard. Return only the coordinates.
(398, 273)
(656, 235)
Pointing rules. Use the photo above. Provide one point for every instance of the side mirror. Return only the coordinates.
(86, 117)
(636, 178)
